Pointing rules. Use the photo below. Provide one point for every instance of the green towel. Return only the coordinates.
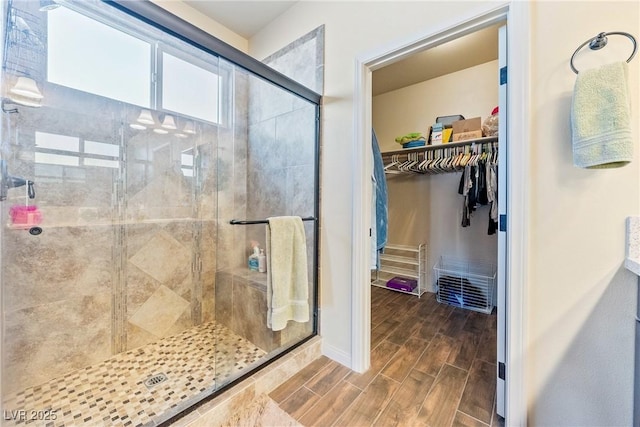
(287, 273)
(409, 137)
(601, 118)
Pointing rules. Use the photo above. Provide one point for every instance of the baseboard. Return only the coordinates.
(334, 353)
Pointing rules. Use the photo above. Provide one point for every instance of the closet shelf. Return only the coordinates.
(407, 263)
(403, 248)
(485, 140)
(399, 271)
(399, 259)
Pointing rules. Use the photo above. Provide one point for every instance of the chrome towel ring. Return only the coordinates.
(600, 41)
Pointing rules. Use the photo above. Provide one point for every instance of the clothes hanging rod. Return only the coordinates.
(263, 221)
(485, 140)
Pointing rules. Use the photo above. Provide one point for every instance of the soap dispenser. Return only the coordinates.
(253, 259)
(262, 262)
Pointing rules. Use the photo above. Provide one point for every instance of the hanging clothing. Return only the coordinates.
(492, 196)
(380, 221)
(479, 186)
(466, 189)
(482, 183)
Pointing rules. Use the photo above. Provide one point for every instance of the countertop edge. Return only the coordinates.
(632, 253)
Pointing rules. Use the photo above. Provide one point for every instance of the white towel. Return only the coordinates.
(601, 118)
(287, 276)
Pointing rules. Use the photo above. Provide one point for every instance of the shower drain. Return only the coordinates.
(155, 380)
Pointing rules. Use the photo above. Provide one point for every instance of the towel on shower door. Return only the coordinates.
(287, 275)
(601, 118)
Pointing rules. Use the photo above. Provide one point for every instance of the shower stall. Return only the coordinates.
(136, 150)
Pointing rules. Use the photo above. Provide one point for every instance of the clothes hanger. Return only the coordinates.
(432, 162)
(452, 157)
(441, 166)
(414, 162)
(423, 162)
(466, 157)
(416, 168)
(458, 157)
(436, 159)
(446, 163)
(402, 165)
(394, 161)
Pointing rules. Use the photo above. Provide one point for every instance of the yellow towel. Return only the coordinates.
(287, 276)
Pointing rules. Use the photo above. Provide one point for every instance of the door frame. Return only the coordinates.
(517, 14)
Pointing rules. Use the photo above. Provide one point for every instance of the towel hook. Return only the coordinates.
(600, 41)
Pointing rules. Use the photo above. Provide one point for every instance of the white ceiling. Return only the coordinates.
(247, 18)
(464, 52)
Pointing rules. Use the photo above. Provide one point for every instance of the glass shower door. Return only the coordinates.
(267, 170)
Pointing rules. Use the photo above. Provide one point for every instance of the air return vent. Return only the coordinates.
(155, 380)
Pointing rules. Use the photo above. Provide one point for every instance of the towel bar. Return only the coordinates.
(600, 41)
(263, 221)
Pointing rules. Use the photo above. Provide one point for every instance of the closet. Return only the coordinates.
(425, 206)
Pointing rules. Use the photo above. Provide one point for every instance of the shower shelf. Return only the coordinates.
(111, 223)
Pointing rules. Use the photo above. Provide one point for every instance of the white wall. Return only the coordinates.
(580, 302)
(351, 28)
(428, 208)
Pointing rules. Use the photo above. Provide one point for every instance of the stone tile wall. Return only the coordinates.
(279, 180)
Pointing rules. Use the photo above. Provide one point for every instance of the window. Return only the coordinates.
(134, 66)
(101, 149)
(53, 149)
(87, 55)
(188, 89)
(122, 65)
(187, 163)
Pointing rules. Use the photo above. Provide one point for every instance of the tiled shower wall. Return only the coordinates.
(113, 268)
(279, 165)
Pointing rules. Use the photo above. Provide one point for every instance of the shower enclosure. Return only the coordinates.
(128, 150)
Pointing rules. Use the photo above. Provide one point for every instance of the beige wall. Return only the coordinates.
(351, 28)
(202, 21)
(427, 208)
(580, 301)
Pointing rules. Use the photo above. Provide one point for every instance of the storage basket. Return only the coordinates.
(466, 284)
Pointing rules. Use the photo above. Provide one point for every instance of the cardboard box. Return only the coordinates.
(467, 129)
(464, 136)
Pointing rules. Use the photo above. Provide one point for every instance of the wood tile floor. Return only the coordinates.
(431, 365)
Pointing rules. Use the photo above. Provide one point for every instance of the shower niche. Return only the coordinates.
(142, 148)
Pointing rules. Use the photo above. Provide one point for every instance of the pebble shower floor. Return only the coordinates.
(113, 393)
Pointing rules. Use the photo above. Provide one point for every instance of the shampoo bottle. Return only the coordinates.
(253, 259)
(262, 262)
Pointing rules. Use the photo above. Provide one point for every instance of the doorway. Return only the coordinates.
(514, 243)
